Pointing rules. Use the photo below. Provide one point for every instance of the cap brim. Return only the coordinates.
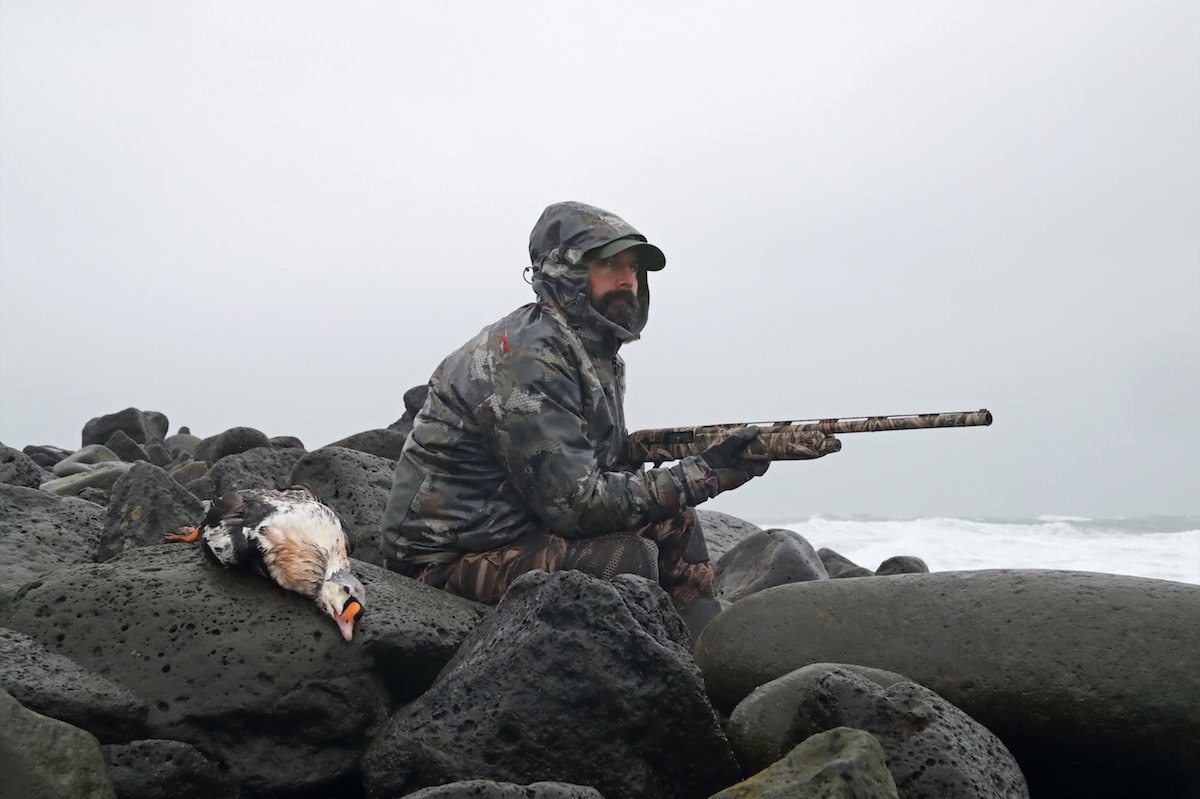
(652, 258)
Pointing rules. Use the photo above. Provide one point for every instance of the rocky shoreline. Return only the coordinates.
(133, 668)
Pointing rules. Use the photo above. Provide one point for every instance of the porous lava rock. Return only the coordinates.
(85, 456)
(252, 675)
(356, 485)
(573, 679)
(18, 469)
(384, 442)
(488, 789)
(43, 532)
(838, 565)
(58, 687)
(125, 447)
(158, 769)
(261, 467)
(45, 757)
(100, 476)
(45, 455)
(902, 564)
(146, 503)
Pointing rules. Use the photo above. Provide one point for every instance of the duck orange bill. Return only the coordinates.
(345, 619)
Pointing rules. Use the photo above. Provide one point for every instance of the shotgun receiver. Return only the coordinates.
(785, 441)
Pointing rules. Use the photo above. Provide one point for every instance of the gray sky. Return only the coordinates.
(284, 214)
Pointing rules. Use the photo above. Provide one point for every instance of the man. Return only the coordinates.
(515, 461)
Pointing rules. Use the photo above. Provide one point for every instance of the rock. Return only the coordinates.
(86, 456)
(487, 789)
(385, 443)
(44, 757)
(142, 427)
(572, 679)
(55, 686)
(42, 533)
(99, 496)
(261, 467)
(158, 769)
(159, 454)
(765, 559)
(932, 747)
(45, 455)
(18, 469)
(1074, 671)
(286, 442)
(183, 441)
(902, 564)
(723, 532)
(356, 485)
(838, 566)
(231, 442)
(760, 725)
(126, 448)
(414, 400)
(841, 763)
(102, 476)
(145, 505)
(188, 471)
(254, 676)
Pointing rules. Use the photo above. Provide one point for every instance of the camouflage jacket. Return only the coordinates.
(524, 424)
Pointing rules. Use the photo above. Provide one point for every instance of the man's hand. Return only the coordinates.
(729, 459)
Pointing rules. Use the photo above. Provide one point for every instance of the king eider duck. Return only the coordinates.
(289, 536)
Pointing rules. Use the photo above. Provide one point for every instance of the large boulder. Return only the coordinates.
(261, 467)
(141, 426)
(146, 503)
(45, 757)
(723, 532)
(414, 400)
(573, 679)
(356, 485)
(902, 564)
(841, 763)
(766, 559)
(58, 687)
(183, 442)
(18, 469)
(230, 442)
(250, 674)
(43, 532)
(1081, 674)
(932, 747)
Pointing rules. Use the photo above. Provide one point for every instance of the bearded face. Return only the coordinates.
(619, 306)
(613, 285)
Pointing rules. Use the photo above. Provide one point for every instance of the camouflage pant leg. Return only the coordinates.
(684, 570)
(485, 576)
(682, 567)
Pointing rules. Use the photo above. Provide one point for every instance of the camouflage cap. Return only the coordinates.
(652, 257)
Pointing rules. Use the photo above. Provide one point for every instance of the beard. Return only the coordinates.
(619, 307)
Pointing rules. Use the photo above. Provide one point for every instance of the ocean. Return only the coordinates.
(1162, 547)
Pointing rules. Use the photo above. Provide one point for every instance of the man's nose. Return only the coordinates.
(627, 277)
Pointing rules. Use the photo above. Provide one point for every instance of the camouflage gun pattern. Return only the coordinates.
(785, 441)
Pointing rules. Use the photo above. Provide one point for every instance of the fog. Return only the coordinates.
(285, 214)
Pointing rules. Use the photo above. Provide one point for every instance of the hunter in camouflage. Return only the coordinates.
(517, 460)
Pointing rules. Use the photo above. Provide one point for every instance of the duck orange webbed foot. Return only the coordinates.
(187, 535)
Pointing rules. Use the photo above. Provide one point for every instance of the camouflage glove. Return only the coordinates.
(728, 460)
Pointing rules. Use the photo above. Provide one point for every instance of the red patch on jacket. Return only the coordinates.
(503, 342)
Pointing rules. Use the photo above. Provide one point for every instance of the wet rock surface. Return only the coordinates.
(42, 533)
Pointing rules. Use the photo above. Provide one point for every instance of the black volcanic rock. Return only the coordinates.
(141, 426)
(146, 503)
(252, 675)
(356, 485)
(230, 442)
(43, 532)
(573, 679)
(18, 469)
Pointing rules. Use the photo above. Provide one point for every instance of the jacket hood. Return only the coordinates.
(557, 243)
